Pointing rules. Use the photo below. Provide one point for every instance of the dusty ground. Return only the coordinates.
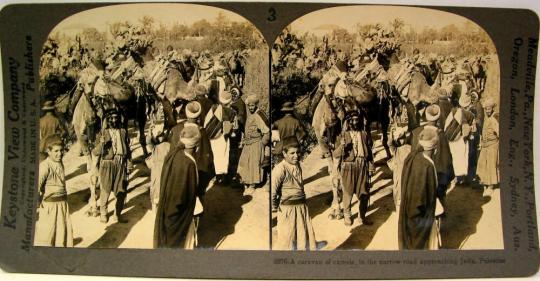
(235, 221)
(230, 221)
(472, 222)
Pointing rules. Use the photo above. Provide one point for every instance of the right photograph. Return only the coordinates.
(385, 132)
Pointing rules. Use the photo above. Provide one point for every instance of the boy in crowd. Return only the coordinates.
(53, 228)
(294, 228)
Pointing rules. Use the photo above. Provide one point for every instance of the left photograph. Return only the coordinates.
(154, 130)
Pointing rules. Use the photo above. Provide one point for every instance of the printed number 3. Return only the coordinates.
(272, 14)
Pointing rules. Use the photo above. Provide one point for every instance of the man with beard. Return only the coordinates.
(488, 162)
(256, 137)
(175, 225)
(239, 108)
(113, 152)
(417, 226)
(354, 160)
(218, 123)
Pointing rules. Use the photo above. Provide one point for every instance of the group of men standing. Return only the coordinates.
(216, 137)
(436, 145)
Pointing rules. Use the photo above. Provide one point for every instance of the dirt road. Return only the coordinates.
(472, 221)
(231, 220)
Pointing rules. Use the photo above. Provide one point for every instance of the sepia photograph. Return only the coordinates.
(154, 130)
(385, 132)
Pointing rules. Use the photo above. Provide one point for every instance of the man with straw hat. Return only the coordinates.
(256, 138)
(417, 225)
(49, 125)
(488, 162)
(176, 221)
(288, 126)
(218, 124)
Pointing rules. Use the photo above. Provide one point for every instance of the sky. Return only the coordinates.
(347, 16)
(162, 13)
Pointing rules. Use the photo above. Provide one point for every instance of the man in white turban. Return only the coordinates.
(256, 138)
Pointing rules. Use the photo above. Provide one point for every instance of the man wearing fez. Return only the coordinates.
(256, 138)
(175, 225)
(203, 154)
(219, 126)
(354, 159)
(417, 229)
(113, 152)
(49, 125)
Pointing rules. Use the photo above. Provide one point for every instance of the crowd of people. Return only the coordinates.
(439, 140)
(207, 133)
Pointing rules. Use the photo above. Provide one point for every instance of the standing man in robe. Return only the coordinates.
(203, 155)
(458, 127)
(240, 111)
(219, 124)
(417, 226)
(442, 156)
(256, 138)
(175, 225)
(488, 162)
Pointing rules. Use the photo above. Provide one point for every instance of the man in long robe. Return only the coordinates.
(458, 127)
(256, 137)
(442, 156)
(175, 225)
(488, 162)
(418, 201)
(203, 155)
(219, 126)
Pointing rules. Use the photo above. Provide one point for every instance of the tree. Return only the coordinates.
(91, 34)
(397, 25)
(449, 32)
(147, 23)
(200, 28)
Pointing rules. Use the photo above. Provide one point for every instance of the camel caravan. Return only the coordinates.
(417, 103)
(94, 96)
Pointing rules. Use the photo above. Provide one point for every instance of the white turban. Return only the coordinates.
(429, 138)
(190, 136)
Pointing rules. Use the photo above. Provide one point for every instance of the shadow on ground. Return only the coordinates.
(116, 233)
(461, 219)
(223, 209)
(362, 235)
